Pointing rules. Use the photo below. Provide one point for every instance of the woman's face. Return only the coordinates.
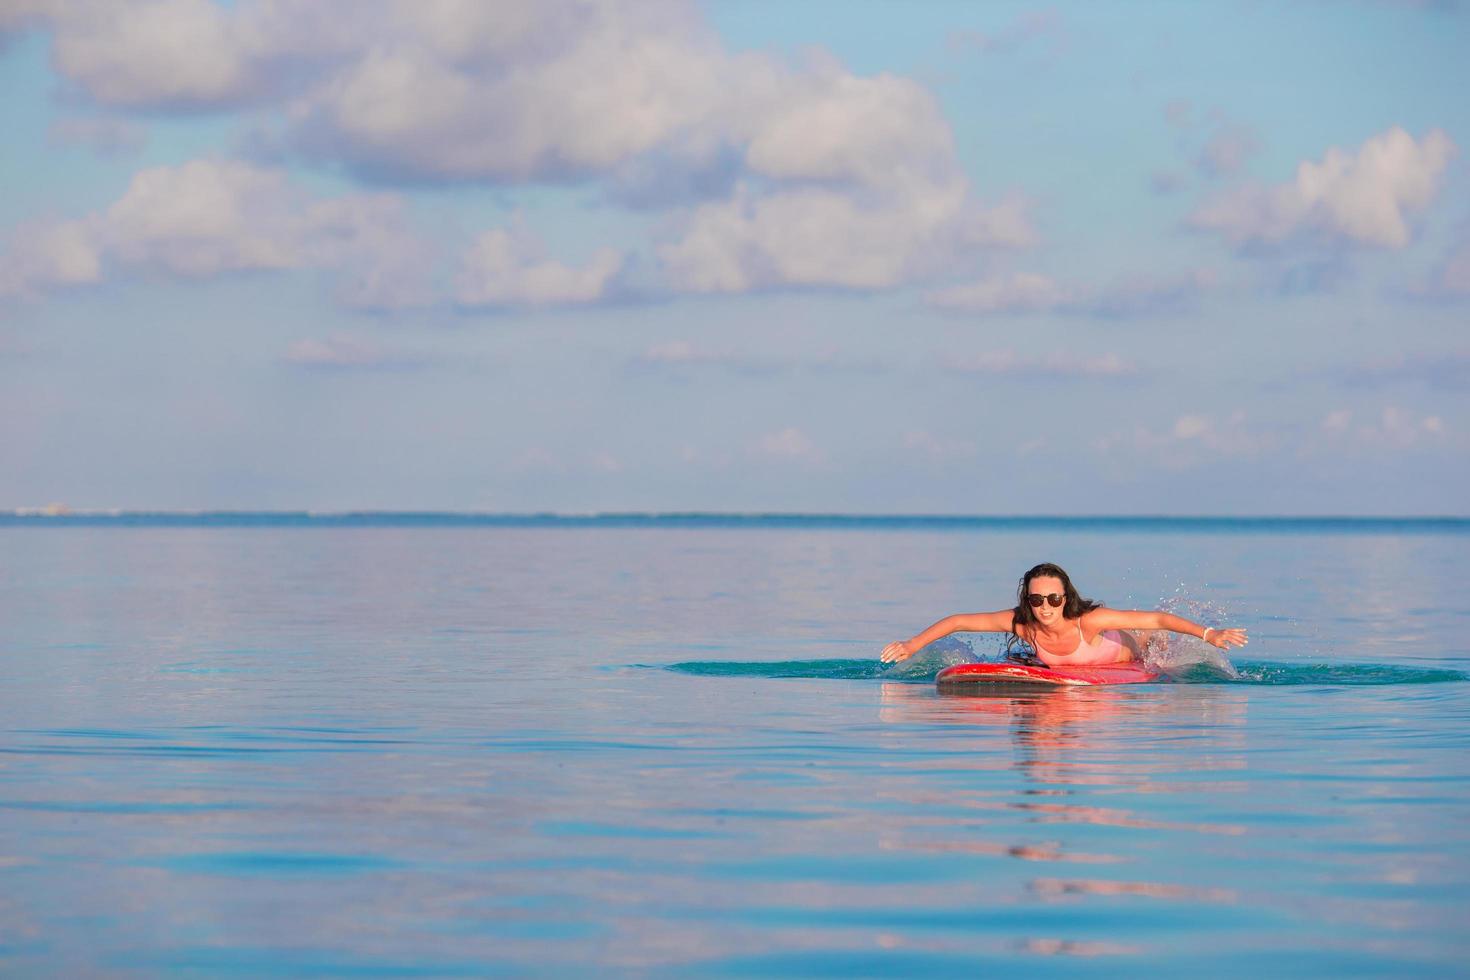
(1046, 586)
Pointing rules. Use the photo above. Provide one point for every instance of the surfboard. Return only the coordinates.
(972, 676)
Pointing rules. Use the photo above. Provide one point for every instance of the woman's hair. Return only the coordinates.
(1024, 616)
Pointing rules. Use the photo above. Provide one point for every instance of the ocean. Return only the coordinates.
(663, 746)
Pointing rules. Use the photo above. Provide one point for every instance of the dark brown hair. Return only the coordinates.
(1073, 607)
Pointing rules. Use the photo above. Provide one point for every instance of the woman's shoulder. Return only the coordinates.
(1097, 614)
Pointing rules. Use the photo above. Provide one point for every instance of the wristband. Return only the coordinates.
(1206, 634)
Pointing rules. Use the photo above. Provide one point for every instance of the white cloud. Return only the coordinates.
(41, 255)
(811, 175)
(196, 54)
(869, 193)
(508, 269)
(1394, 427)
(1366, 197)
(1021, 292)
(206, 218)
(1192, 440)
(1026, 292)
(157, 52)
(1197, 440)
(813, 237)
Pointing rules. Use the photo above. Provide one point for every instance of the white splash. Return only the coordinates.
(1174, 653)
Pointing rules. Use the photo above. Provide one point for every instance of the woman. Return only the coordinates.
(1063, 628)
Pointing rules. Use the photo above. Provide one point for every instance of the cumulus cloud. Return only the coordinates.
(1021, 292)
(859, 188)
(155, 53)
(1026, 292)
(809, 237)
(206, 218)
(508, 268)
(196, 55)
(41, 255)
(793, 175)
(552, 90)
(1367, 197)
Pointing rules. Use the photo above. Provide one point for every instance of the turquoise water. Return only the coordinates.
(635, 746)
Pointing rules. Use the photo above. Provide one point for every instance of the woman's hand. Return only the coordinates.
(1225, 639)
(894, 652)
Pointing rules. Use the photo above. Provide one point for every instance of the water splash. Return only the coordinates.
(922, 666)
(917, 670)
(1176, 654)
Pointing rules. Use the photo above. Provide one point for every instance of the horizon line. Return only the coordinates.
(62, 512)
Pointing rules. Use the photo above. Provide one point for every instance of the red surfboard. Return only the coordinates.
(983, 675)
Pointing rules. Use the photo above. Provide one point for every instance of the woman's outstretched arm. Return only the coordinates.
(1133, 619)
(995, 622)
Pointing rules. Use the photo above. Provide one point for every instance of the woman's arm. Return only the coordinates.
(1132, 619)
(995, 622)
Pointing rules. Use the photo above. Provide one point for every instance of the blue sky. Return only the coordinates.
(857, 257)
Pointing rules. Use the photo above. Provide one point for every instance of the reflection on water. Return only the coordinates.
(1070, 744)
(1047, 851)
(1056, 887)
(426, 752)
(1062, 947)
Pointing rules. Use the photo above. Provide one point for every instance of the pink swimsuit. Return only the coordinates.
(1104, 649)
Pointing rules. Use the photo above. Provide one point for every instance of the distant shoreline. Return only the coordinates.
(52, 517)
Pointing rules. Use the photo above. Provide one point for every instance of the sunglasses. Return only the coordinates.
(1036, 599)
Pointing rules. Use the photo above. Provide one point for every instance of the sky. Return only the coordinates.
(840, 257)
